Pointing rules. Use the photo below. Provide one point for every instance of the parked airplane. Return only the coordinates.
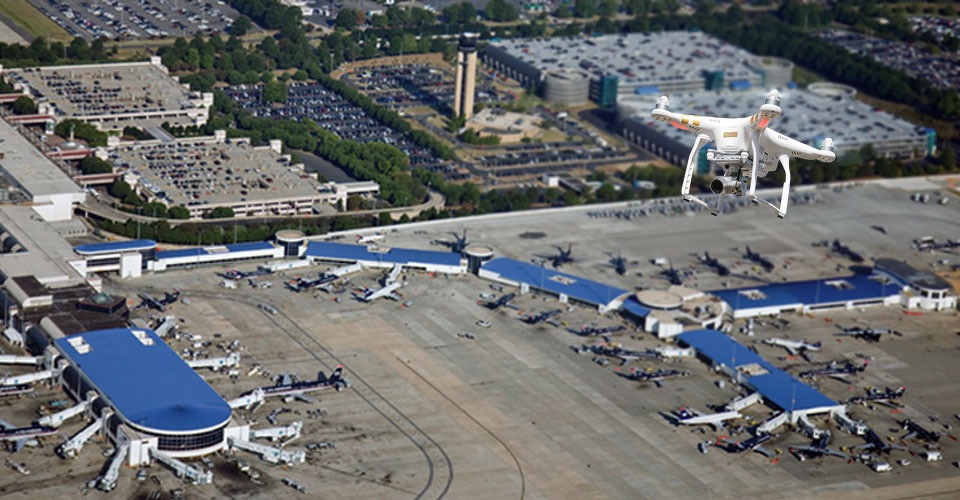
(236, 274)
(887, 396)
(369, 238)
(543, 316)
(458, 244)
(715, 264)
(617, 351)
(759, 259)
(916, 430)
(845, 251)
(687, 416)
(833, 369)
(656, 376)
(383, 293)
(10, 390)
(868, 334)
(24, 436)
(619, 264)
(298, 389)
(818, 448)
(876, 443)
(672, 275)
(793, 346)
(590, 330)
(502, 301)
(148, 300)
(563, 256)
(755, 443)
(323, 281)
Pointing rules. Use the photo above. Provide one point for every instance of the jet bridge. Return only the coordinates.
(29, 378)
(72, 446)
(215, 363)
(745, 401)
(771, 424)
(269, 453)
(109, 479)
(182, 470)
(289, 432)
(10, 359)
(255, 398)
(56, 419)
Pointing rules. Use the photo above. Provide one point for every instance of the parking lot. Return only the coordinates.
(334, 113)
(116, 19)
(941, 70)
(413, 85)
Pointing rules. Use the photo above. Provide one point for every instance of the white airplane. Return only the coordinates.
(370, 238)
(23, 436)
(392, 276)
(793, 346)
(385, 292)
(744, 147)
(687, 416)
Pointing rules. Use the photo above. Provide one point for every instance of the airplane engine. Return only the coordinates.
(726, 185)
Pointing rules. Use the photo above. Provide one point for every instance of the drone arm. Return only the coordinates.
(779, 144)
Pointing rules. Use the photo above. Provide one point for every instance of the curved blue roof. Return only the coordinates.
(215, 250)
(776, 386)
(145, 381)
(813, 292)
(635, 308)
(551, 280)
(351, 253)
(115, 246)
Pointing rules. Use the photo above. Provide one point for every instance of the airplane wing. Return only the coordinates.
(765, 452)
(791, 350)
(306, 399)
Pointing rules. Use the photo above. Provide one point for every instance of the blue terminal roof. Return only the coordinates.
(115, 246)
(635, 308)
(352, 253)
(225, 249)
(812, 292)
(776, 386)
(553, 281)
(148, 385)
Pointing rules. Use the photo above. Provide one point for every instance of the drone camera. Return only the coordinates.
(726, 185)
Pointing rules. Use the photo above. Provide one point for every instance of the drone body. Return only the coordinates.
(746, 148)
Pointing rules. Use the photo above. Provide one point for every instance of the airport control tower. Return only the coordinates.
(466, 76)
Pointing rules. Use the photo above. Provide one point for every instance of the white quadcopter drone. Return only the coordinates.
(744, 147)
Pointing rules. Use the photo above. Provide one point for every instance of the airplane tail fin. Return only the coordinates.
(337, 374)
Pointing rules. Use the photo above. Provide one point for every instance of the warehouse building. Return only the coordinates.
(642, 63)
(112, 96)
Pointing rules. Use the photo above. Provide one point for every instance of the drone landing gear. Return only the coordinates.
(701, 140)
(784, 195)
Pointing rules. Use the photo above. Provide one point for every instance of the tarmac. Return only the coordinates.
(515, 412)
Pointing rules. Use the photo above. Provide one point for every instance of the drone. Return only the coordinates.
(746, 148)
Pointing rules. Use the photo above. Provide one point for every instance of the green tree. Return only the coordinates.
(178, 212)
(500, 11)
(94, 165)
(81, 130)
(347, 19)
(219, 213)
(274, 91)
(948, 158)
(24, 106)
(585, 8)
(240, 27)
